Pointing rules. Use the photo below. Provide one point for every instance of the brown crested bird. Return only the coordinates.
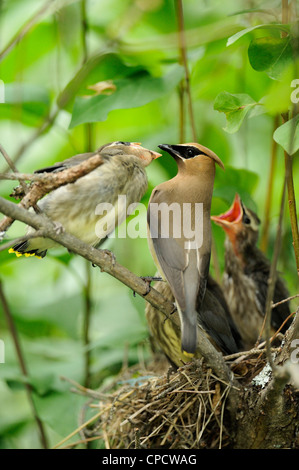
(179, 232)
(213, 317)
(91, 208)
(247, 270)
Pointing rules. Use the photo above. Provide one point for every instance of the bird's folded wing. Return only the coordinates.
(68, 163)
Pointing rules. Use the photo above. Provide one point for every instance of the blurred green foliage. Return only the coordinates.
(46, 117)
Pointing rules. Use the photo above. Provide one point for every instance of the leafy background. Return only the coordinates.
(240, 69)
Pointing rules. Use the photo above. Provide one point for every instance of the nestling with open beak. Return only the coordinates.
(74, 205)
(179, 232)
(247, 270)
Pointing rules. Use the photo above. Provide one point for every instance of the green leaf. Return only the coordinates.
(60, 411)
(235, 37)
(287, 135)
(130, 92)
(234, 180)
(283, 89)
(270, 54)
(235, 108)
(25, 102)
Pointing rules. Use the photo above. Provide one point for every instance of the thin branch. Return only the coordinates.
(26, 28)
(292, 205)
(89, 145)
(286, 14)
(107, 263)
(285, 300)
(13, 167)
(272, 278)
(104, 260)
(48, 122)
(269, 193)
(84, 30)
(181, 93)
(22, 363)
(182, 47)
(24, 176)
(186, 89)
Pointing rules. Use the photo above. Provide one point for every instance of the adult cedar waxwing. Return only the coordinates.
(214, 319)
(91, 208)
(179, 231)
(247, 270)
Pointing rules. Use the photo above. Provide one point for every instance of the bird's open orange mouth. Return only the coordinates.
(232, 216)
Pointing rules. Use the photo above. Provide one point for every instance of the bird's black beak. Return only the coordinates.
(173, 150)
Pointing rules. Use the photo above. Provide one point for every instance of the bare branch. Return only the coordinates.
(13, 167)
(285, 300)
(100, 258)
(272, 278)
(24, 176)
(107, 263)
(25, 28)
(22, 363)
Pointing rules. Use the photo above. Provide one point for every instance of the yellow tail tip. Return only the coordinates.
(189, 355)
(18, 254)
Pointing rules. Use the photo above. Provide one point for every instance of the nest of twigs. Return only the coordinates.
(158, 407)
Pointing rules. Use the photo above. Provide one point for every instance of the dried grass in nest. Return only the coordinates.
(161, 408)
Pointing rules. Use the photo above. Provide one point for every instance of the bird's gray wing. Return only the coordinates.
(214, 320)
(184, 269)
(68, 163)
(226, 330)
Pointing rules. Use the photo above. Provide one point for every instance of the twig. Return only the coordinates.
(187, 90)
(265, 231)
(13, 167)
(108, 264)
(286, 13)
(182, 46)
(89, 145)
(98, 257)
(25, 28)
(272, 279)
(22, 363)
(181, 93)
(292, 205)
(86, 326)
(84, 30)
(24, 176)
(285, 300)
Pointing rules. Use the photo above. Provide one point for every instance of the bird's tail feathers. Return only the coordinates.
(23, 249)
(189, 334)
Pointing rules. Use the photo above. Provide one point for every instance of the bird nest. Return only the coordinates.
(158, 407)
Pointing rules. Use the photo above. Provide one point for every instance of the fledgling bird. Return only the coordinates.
(214, 318)
(179, 231)
(76, 205)
(247, 270)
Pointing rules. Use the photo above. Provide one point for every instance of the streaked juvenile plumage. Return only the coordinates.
(74, 205)
(247, 270)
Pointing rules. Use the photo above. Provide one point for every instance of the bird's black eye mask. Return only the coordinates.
(191, 152)
(122, 143)
(184, 152)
